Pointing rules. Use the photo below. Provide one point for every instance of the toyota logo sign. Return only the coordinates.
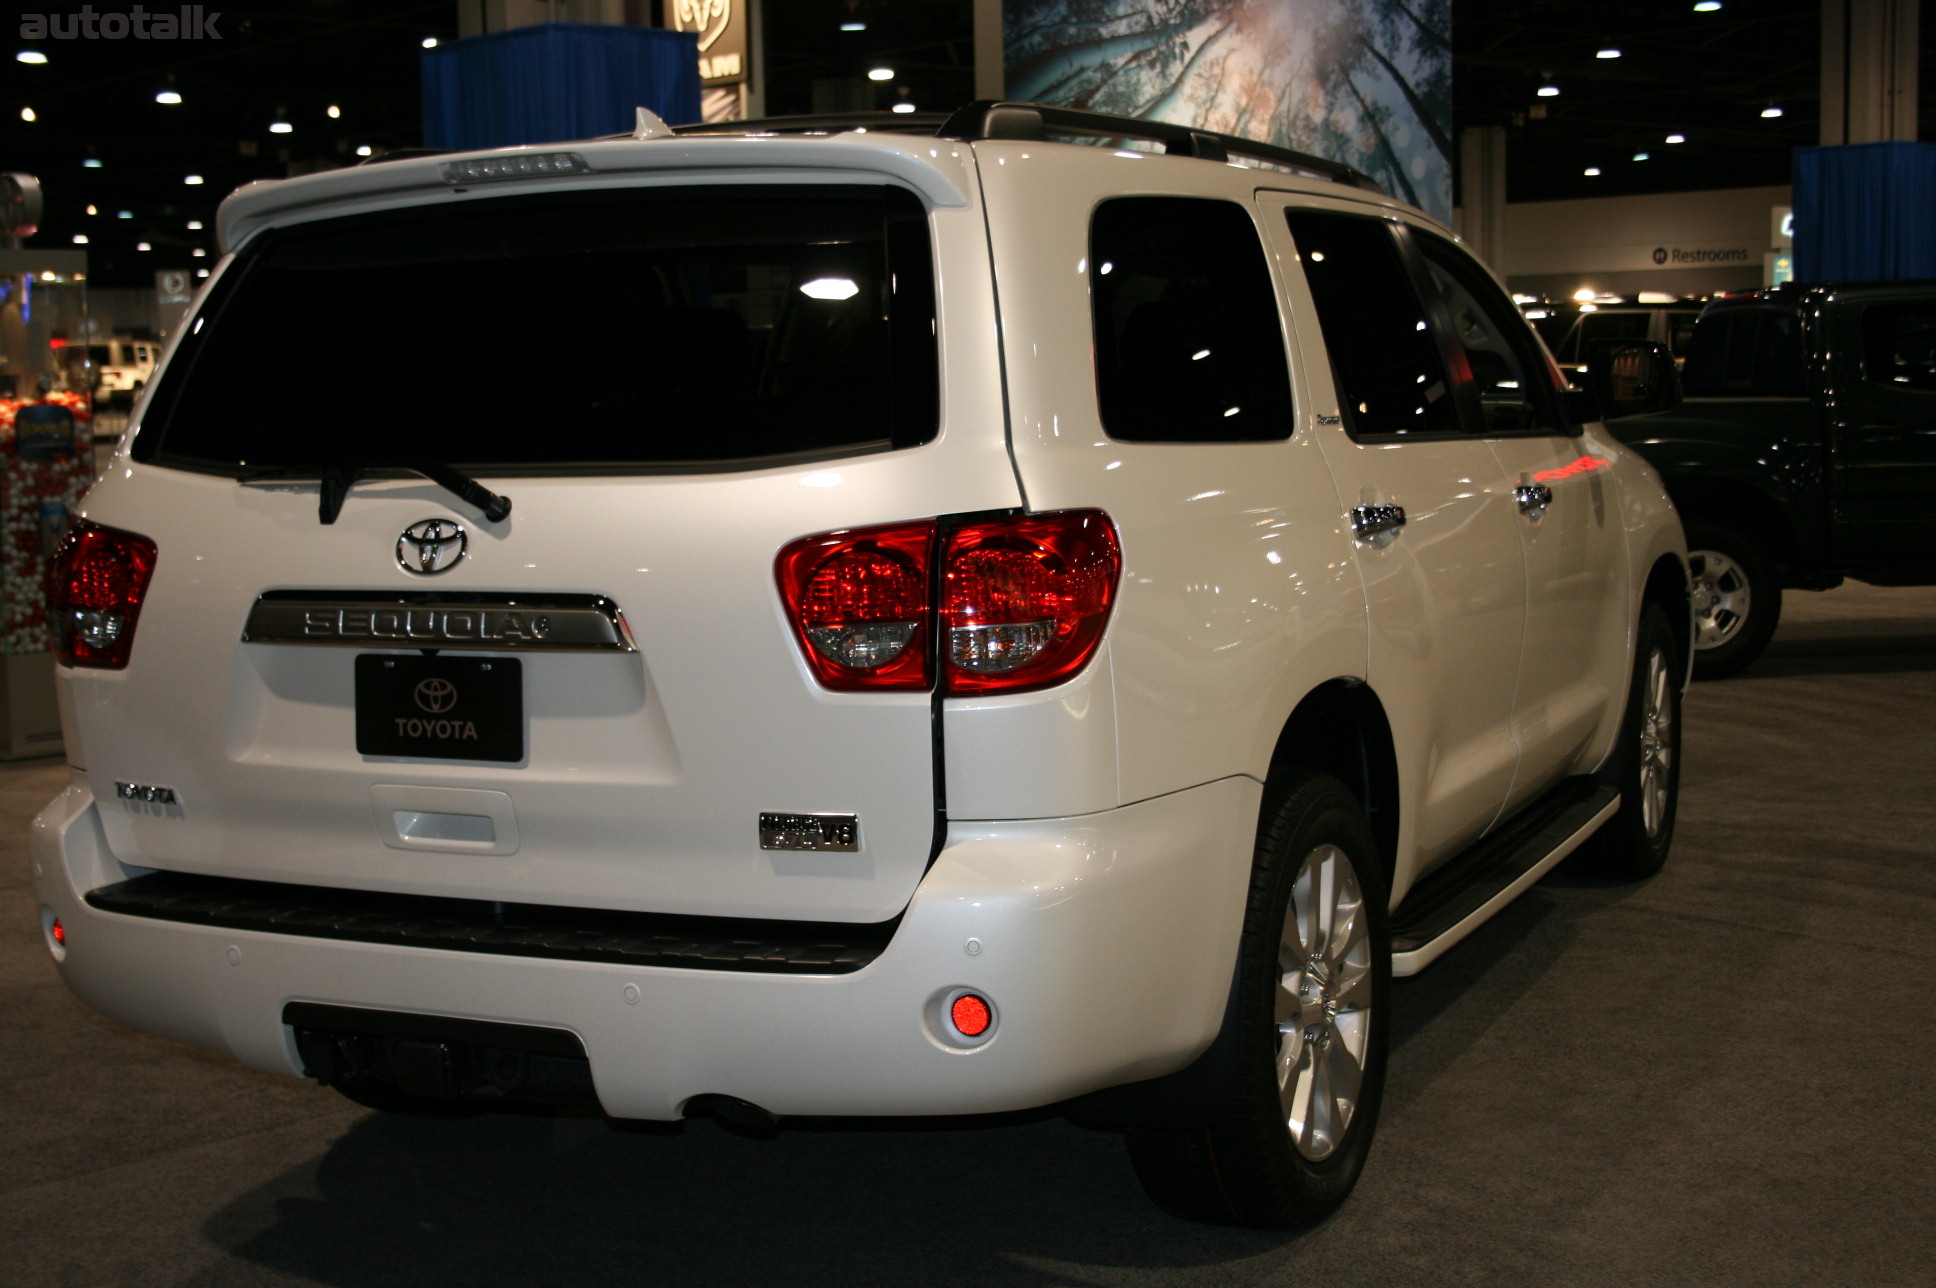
(431, 546)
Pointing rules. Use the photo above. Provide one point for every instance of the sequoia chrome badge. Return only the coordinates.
(431, 546)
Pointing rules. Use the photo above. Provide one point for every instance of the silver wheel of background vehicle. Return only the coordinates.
(1324, 997)
(1723, 597)
(1657, 743)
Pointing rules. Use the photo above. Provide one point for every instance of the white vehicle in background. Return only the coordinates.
(988, 623)
(113, 369)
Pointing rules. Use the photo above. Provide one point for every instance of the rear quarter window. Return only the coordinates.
(1189, 341)
(648, 328)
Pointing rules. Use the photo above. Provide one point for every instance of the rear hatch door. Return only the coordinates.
(596, 700)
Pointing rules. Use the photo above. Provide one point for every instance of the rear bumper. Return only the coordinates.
(1105, 943)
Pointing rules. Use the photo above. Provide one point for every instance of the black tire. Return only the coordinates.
(1307, 1002)
(1646, 763)
(1737, 599)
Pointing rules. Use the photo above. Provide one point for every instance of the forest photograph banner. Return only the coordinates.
(1365, 82)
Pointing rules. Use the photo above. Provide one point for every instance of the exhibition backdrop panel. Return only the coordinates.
(556, 82)
(45, 465)
(1366, 82)
(1865, 211)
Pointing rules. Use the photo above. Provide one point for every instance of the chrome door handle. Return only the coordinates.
(1368, 521)
(1533, 498)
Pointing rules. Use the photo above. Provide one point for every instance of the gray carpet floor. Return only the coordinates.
(1719, 1077)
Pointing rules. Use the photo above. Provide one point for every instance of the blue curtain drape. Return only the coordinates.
(555, 82)
(1865, 211)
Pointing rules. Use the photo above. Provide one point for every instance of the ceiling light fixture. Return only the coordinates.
(1707, 6)
(194, 225)
(1642, 156)
(1549, 91)
(904, 107)
(1677, 138)
(853, 26)
(281, 127)
(33, 56)
(333, 112)
(1770, 112)
(27, 114)
(192, 180)
(1607, 53)
(168, 96)
(880, 74)
(430, 42)
(1591, 171)
(91, 163)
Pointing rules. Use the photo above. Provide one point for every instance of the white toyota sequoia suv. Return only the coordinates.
(930, 616)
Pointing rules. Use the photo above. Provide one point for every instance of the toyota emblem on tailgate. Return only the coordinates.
(431, 546)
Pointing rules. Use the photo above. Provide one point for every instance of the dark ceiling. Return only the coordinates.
(1706, 76)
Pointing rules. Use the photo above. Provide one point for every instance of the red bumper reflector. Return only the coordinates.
(970, 1015)
(60, 933)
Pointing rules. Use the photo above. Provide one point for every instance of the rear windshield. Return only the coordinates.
(688, 328)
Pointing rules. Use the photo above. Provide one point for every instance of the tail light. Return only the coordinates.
(1022, 601)
(100, 576)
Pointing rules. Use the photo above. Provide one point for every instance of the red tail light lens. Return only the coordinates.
(100, 576)
(859, 603)
(1024, 602)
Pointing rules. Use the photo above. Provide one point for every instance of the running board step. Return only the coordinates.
(1457, 898)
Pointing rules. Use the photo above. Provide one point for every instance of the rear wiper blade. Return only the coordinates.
(336, 481)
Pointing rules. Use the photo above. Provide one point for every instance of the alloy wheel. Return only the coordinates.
(1722, 597)
(1323, 1003)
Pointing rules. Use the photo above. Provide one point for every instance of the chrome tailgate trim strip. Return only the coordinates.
(570, 624)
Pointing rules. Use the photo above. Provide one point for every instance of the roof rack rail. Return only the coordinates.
(992, 119)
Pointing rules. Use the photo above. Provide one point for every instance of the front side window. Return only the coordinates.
(678, 328)
(1745, 353)
(1189, 343)
(1391, 378)
(1506, 371)
(1899, 345)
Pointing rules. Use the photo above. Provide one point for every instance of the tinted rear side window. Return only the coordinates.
(1391, 378)
(1189, 344)
(1745, 353)
(683, 328)
(1899, 345)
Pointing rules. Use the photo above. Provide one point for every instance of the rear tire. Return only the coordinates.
(1307, 1028)
(1737, 599)
(1646, 763)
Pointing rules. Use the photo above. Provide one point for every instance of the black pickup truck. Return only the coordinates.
(1803, 454)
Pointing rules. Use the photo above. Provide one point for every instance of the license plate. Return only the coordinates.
(440, 708)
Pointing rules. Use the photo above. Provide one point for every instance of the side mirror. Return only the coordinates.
(1633, 377)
